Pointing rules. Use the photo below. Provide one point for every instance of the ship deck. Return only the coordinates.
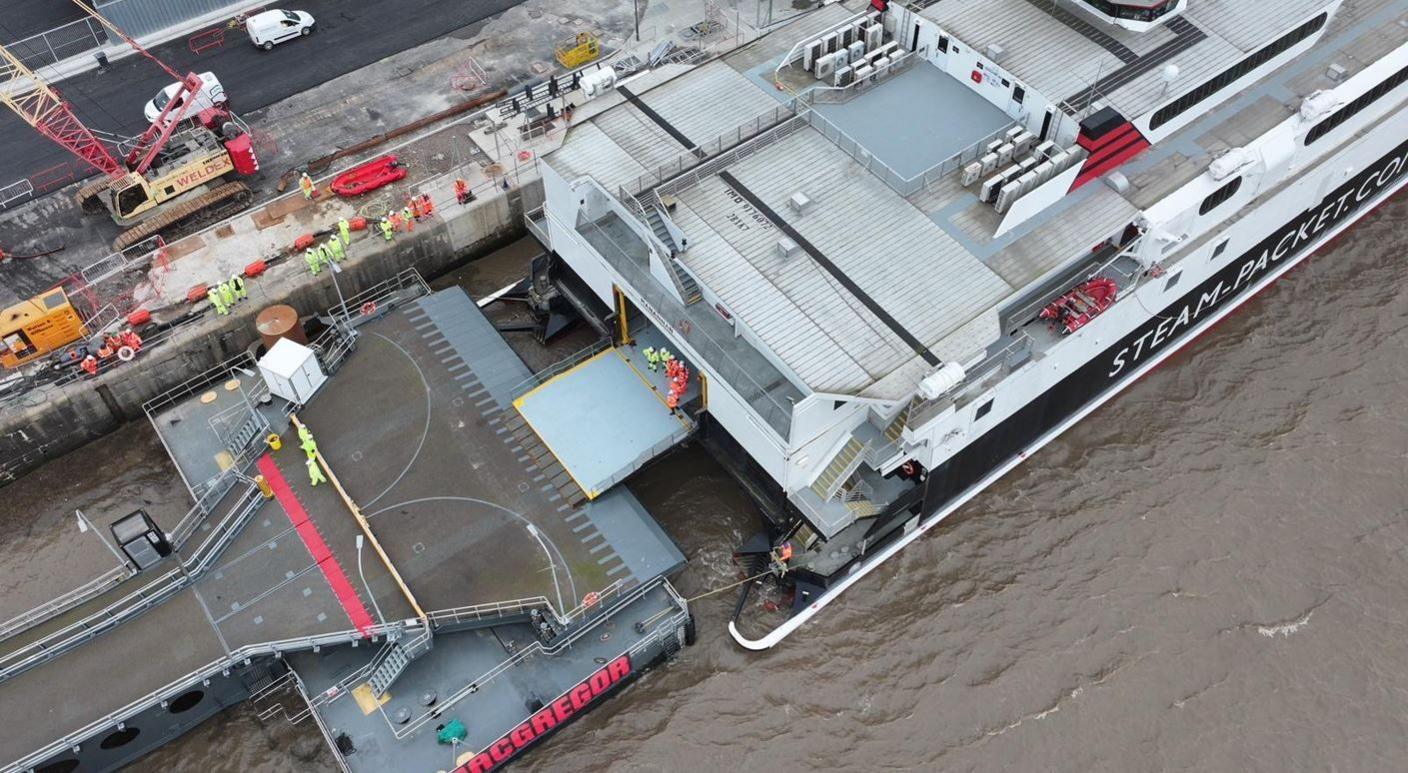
(896, 265)
(467, 511)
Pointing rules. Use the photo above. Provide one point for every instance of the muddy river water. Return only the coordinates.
(1209, 573)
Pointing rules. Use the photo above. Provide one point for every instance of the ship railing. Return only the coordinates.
(406, 285)
(685, 179)
(197, 384)
(537, 648)
(492, 610)
(558, 368)
(539, 229)
(975, 380)
(332, 347)
(239, 657)
(133, 603)
(904, 186)
(774, 413)
(20, 190)
(716, 146)
(65, 601)
(417, 644)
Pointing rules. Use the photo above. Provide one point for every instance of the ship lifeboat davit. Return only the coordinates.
(1085, 302)
(367, 177)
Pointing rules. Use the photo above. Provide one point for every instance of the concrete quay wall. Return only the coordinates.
(51, 421)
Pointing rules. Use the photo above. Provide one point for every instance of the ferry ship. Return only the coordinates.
(904, 245)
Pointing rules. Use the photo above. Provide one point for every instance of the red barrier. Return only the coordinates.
(55, 176)
(204, 41)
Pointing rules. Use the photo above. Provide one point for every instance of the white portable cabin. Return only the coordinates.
(291, 371)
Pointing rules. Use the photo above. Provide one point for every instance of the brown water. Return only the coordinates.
(1210, 573)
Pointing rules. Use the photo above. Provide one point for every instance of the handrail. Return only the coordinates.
(722, 142)
(131, 604)
(538, 648)
(66, 601)
(561, 366)
(454, 615)
(274, 648)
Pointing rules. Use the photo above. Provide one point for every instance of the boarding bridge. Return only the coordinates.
(603, 413)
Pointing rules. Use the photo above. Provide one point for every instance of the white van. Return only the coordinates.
(270, 27)
(211, 94)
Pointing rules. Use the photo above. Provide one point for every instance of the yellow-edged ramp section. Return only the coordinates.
(606, 417)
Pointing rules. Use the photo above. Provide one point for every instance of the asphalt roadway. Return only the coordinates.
(23, 18)
(350, 34)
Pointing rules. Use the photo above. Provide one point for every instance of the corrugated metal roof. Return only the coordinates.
(917, 273)
(588, 151)
(1047, 55)
(711, 100)
(1248, 25)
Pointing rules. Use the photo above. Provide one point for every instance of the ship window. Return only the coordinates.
(186, 701)
(1219, 196)
(1018, 94)
(943, 44)
(983, 410)
(119, 738)
(1234, 73)
(1364, 100)
(1219, 249)
(1172, 281)
(62, 766)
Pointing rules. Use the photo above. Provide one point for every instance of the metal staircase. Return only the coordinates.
(390, 667)
(838, 470)
(394, 659)
(684, 283)
(656, 220)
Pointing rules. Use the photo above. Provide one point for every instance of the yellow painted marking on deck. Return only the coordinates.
(224, 461)
(366, 701)
(366, 528)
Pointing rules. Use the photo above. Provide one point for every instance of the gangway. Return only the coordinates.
(608, 416)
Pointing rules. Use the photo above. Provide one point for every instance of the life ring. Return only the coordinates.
(908, 468)
(591, 599)
(524, 155)
(368, 308)
(126, 353)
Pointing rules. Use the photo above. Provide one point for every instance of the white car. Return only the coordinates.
(270, 27)
(211, 94)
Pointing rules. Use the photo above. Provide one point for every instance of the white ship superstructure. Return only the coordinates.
(904, 247)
